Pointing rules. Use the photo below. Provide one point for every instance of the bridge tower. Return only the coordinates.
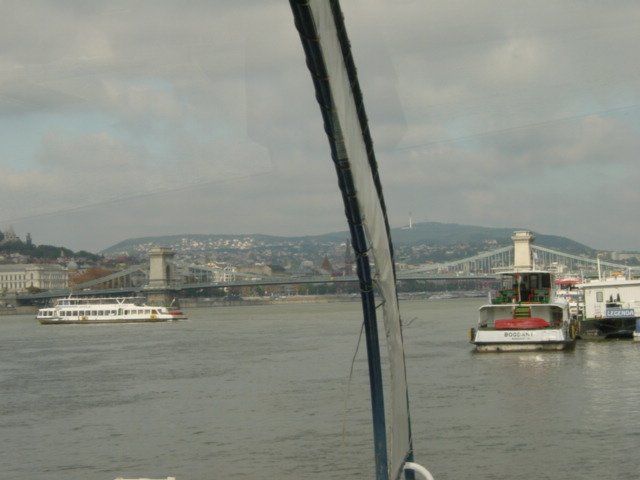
(522, 253)
(161, 275)
(161, 269)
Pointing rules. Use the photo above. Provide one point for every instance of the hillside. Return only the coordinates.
(432, 234)
(43, 252)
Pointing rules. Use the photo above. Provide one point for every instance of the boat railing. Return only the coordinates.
(533, 295)
(505, 295)
(540, 295)
(414, 467)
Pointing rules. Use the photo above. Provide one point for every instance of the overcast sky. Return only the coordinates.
(121, 119)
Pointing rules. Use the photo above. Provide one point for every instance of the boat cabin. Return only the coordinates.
(613, 298)
(524, 287)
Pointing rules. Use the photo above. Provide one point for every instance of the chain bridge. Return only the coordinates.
(163, 274)
(487, 263)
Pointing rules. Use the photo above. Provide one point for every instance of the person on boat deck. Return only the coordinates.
(524, 292)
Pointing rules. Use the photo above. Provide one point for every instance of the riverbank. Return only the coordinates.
(278, 300)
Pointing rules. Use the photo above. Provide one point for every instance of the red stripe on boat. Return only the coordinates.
(520, 323)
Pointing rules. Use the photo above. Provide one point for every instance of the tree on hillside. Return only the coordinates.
(88, 275)
(45, 252)
(86, 255)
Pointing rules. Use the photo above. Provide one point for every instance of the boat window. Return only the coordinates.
(545, 281)
(94, 312)
(599, 296)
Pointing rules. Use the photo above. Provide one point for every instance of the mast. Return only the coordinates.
(327, 50)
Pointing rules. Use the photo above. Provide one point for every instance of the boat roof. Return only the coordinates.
(610, 282)
(513, 271)
(97, 300)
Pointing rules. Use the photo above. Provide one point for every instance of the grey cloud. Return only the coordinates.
(210, 108)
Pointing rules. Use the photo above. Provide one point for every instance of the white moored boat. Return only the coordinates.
(78, 310)
(567, 290)
(524, 315)
(611, 308)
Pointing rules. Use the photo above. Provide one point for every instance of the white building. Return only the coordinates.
(199, 273)
(15, 278)
(10, 235)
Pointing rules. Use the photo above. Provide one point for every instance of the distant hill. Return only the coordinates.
(428, 233)
(435, 233)
(136, 244)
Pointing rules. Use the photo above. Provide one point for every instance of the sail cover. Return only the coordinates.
(321, 27)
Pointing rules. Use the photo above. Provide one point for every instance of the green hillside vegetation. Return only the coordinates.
(44, 252)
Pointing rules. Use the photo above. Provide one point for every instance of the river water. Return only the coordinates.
(264, 393)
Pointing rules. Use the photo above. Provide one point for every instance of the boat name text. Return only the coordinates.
(518, 334)
(620, 312)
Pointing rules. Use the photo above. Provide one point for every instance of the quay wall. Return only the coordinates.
(294, 299)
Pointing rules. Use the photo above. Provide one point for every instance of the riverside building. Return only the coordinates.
(17, 278)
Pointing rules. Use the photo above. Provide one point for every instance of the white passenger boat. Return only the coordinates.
(524, 314)
(79, 310)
